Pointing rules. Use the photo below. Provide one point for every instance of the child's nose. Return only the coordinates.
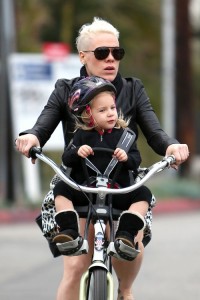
(110, 112)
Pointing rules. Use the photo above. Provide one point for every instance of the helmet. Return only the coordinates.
(84, 90)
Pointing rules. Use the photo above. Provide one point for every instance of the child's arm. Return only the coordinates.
(84, 151)
(132, 159)
(76, 150)
(70, 157)
(120, 154)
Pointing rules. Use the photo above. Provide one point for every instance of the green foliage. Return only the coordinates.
(48, 23)
(60, 20)
(172, 186)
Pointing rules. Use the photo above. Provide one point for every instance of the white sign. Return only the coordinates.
(32, 79)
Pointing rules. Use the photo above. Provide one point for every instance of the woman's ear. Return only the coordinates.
(82, 57)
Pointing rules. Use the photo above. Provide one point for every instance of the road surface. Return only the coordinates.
(171, 268)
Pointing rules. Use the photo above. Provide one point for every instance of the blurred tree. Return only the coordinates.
(59, 13)
(185, 117)
(60, 20)
(138, 22)
(51, 22)
(52, 30)
(139, 25)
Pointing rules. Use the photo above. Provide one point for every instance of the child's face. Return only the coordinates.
(104, 111)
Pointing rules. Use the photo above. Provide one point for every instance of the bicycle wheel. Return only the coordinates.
(98, 284)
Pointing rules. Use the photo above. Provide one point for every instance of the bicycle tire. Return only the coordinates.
(99, 288)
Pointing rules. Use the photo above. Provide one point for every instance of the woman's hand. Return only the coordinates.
(84, 151)
(25, 142)
(120, 155)
(180, 152)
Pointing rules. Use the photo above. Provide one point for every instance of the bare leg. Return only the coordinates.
(62, 203)
(140, 207)
(125, 278)
(74, 267)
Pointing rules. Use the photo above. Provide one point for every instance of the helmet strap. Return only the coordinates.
(88, 111)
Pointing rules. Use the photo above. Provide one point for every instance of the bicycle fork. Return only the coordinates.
(97, 262)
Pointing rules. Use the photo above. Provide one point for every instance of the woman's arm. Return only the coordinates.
(25, 142)
(156, 137)
(146, 118)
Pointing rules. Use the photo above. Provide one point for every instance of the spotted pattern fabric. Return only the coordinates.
(49, 225)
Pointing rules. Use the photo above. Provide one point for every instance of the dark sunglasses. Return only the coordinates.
(101, 53)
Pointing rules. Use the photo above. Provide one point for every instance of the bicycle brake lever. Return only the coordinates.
(33, 151)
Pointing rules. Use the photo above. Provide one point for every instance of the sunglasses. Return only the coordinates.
(101, 53)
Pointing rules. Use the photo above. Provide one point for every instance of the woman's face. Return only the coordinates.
(106, 68)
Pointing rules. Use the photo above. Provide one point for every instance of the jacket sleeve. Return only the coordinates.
(149, 123)
(70, 156)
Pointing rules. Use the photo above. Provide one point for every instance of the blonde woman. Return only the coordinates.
(100, 53)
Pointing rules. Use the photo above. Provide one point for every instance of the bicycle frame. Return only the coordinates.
(104, 288)
(97, 262)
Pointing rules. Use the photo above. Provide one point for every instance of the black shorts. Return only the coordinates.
(121, 201)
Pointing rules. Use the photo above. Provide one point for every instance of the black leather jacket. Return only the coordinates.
(131, 99)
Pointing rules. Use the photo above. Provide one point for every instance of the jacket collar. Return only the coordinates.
(117, 82)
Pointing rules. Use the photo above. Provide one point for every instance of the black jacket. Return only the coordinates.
(131, 99)
(100, 159)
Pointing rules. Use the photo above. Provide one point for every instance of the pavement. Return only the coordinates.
(170, 269)
(163, 206)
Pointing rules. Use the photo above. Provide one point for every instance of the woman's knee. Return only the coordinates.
(75, 266)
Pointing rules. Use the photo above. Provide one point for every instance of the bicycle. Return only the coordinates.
(99, 274)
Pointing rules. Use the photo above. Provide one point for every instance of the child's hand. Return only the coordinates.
(85, 150)
(120, 154)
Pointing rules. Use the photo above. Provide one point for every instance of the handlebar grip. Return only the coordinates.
(170, 160)
(35, 150)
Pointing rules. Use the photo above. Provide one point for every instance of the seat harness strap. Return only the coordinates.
(125, 142)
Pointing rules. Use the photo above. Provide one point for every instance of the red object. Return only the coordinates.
(55, 51)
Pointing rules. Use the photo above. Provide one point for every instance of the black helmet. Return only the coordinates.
(84, 90)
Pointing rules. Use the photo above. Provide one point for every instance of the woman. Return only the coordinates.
(100, 54)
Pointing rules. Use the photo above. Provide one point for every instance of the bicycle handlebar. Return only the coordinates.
(36, 152)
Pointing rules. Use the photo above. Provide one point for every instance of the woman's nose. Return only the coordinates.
(110, 56)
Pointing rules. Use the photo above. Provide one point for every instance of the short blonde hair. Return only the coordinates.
(87, 31)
